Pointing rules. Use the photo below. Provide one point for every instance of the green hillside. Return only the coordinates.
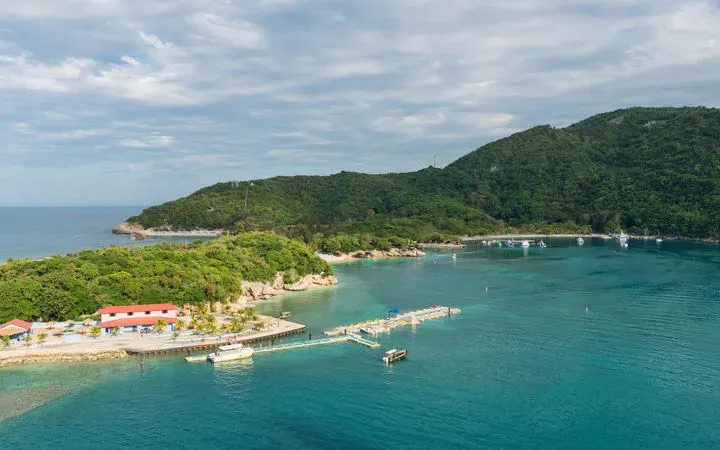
(653, 170)
(65, 287)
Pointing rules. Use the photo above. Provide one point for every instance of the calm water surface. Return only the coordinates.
(524, 365)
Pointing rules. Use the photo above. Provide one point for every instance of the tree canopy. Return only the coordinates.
(66, 287)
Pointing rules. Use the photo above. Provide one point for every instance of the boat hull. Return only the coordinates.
(230, 356)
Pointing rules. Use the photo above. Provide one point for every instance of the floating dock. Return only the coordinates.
(377, 326)
(350, 337)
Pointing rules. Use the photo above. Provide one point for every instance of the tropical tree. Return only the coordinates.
(95, 331)
(27, 339)
(160, 326)
(6, 341)
(115, 331)
(180, 325)
(41, 337)
(195, 323)
(175, 335)
(259, 325)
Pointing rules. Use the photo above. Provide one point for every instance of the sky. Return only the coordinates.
(136, 102)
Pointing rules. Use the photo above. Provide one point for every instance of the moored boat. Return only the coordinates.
(393, 355)
(284, 315)
(230, 353)
(580, 241)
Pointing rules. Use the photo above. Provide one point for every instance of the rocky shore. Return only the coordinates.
(140, 232)
(339, 257)
(253, 291)
(42, 355)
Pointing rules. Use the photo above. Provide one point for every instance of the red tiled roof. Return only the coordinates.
(138, 308)
(18, 323)
(136, 321)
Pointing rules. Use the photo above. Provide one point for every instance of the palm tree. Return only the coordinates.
(6, 341)
(95, 331)
(27, 339)
(180, 325)
(160, 326)
(175, 335)
(195, 323)
(115, 331)
(41, 337)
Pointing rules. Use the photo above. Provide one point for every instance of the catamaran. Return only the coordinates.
(230, 353)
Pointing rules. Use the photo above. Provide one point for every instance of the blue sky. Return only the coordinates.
(138, 102)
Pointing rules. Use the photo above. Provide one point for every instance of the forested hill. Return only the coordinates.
(647, 170)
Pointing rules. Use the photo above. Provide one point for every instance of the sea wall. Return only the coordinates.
(30, 357)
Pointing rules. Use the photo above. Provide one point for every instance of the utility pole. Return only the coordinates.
(247, 191)
(435, 160)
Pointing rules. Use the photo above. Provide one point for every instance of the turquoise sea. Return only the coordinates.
(524, 366)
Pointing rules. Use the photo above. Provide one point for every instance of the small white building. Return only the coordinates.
(137, 317)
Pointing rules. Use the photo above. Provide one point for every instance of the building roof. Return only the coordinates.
(18, 323)
(138, 308)
(136, 321)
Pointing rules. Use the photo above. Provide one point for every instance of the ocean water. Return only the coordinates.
(524, 366)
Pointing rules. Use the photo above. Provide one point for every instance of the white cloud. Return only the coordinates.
(269, 86)
(238, 33)
(150, 141)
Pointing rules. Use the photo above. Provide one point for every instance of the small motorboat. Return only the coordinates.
(658, 240)
(580, 241)
(454, 256)
(525, 244)
(393, 355)
(284, 315)
(230, 353)
(541, 244)
(623, 244)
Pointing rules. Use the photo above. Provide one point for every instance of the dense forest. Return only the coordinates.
(67, 287)
(646, 170)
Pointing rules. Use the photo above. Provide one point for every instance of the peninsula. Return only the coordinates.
(649, 171)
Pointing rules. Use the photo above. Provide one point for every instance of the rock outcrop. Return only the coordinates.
(129, 228)
(258, 291)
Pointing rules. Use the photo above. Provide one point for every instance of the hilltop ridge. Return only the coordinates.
(647, 170)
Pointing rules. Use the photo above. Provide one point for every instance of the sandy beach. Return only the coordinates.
(57, 349)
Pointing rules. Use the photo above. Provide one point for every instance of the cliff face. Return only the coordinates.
(129, 228)
(259, 291)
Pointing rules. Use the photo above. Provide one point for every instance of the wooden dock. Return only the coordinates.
(377, 326)
(201, 346)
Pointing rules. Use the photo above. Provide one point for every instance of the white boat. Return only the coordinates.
(230, 353)
(623, 244)
(454, 256)
(525, 244)
(580, 241)
(393, 355)
(541, 244)
(658, 240)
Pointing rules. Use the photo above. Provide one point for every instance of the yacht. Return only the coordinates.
(230, 353)
(393, 355)
(623, 244)
(580, 241)
(541, 244)
(525, 244)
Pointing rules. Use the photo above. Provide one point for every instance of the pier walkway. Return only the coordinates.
(377, 326)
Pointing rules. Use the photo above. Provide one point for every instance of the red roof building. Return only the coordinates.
(16, 328)
(137, 317)
(138, 308)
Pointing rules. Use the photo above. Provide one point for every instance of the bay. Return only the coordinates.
(524, 366)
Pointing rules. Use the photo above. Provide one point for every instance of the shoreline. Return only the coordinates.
(361, 255)
(140, 232)
(534, 236)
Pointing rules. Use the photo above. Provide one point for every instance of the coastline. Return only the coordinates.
(340, 257)
(141, 232)
(534, 236)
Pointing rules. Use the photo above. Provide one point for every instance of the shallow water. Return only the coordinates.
(524, 365)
